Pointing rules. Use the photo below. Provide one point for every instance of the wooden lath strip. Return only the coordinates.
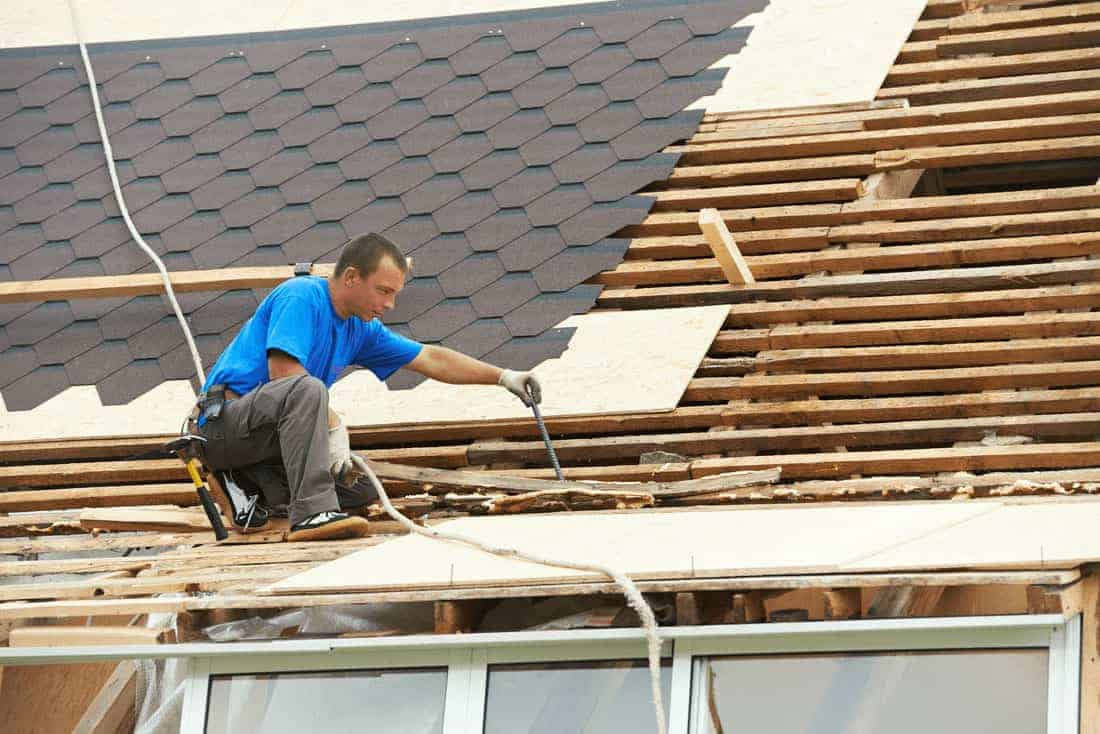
(1043, 62)
(971, 90)
(1021, 40)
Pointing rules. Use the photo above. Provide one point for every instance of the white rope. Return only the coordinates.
(122, 203)
(630, 591)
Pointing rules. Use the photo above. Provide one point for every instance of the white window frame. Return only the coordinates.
(468, 657)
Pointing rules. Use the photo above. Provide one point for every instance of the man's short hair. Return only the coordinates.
(366, 251)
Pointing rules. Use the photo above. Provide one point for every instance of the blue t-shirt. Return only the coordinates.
(298, 318)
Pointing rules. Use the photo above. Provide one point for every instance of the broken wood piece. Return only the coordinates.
(79, 635)
(843, 603)
(703, 607)
(748, 607)
(1063, 600)
(566, 499)
(905, 601)
(724, 248)
(445, 480)
(144, 519)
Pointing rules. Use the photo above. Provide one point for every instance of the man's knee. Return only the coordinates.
(308, 388)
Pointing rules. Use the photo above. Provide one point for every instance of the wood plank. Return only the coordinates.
(900, 433)
(113, 607)
(914, 306)
(905, 601)
(798, 169)
(942, 282)
(80, 636)
(882, 333)
(916, 51)
(874, 140)
(771, 129)
(751, 243)
(983, 22)
(1090, 654)
(992, 88)
(1043, 173)
(920, 461)
(1037, 105)
(896, 382)
(898, 257)
(943, 9)
(931, 407)
(801, 192)
(725, 250)
(125, 518)
(1021, 40)
(929, 30)
(789, 112)
(989, 153)
(999, 225)
(114, 496)
(983, 67)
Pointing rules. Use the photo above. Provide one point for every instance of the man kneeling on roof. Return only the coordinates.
(275, 425)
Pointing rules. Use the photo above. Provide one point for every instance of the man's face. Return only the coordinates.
(373, 296)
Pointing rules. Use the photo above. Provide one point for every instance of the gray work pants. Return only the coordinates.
(285, 422)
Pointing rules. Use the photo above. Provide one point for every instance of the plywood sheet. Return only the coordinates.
(617, 362)
(647, 545)
(638, 361)
(1056, 535)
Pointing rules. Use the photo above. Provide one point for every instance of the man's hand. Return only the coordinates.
(346, 467)
(518, 384)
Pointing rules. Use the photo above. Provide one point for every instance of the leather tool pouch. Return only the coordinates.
(212, 402)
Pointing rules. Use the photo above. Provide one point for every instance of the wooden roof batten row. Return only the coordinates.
(905, 339)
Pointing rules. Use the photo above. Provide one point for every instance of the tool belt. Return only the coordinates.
(210, 403)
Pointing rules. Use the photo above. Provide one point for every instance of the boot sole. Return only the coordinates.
(349, 527)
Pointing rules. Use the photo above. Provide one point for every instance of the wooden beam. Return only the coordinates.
(1021, 40)
(459, 617)
(82, 636)
(113, 710)
(113, 496)
(843, 603)
(1090, 653)
(790, 112)
(971, 91)
(801, 192)
(982, 67)
(1037, 105)
(724, 248)
(1047, 599)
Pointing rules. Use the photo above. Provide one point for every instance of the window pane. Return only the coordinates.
(338, 701)
(590, 697)
(904, 693)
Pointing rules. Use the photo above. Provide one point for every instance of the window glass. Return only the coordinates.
(1003, 691)
(608, 697)
(337, 701)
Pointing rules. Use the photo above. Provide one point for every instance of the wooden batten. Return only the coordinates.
(724, 248)
(82, 636)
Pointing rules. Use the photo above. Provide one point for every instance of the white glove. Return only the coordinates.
(518, 384)
(346, 467)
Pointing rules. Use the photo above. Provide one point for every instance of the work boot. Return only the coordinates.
(329, 526)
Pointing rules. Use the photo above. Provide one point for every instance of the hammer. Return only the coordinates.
(188, 448)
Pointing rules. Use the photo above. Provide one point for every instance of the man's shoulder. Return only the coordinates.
(308, 286)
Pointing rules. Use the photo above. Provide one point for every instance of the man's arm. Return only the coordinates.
(447, 365)
(280, 364)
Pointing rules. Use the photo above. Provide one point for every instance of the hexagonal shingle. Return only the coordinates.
(577, 104)
(574, 265)
(701, 52)
(526, 352)
(626, 177)
(422, 79)
(418, 295)
(376, 216)
(675, 94)
(225, 188)
(659, 39)
(278, 110)
(220, 75)
(228, 309)
(399, 118)
(339, 84)
(454, 95)
(74, 220)
(309, 126)
(465, 211)
(22, 125)
(551, 145)
(71, 107)
(191, 174)
(252, 207)
(369, 160)
(314, 242)
(460, 152)
(366, 103)
(280, 226)
(76, 338)
(99, 239)
(583, 163)
(311, 183)
(14, 363)
(136, 378)
(285, 164)
(615, 119)
(492, 169)
(23, 182)
(518, 129)
(402, 176)
(601, 63)
(48, 87)
(132, 82)
(548, 309)
(439, 253)
(478, 338)
(480, 55)
(38, 323)
(639, 77)
(98, 362)
(188, 233)
(498, 229)
(392, 62)
(44, 203)
(74, 163)
(532, 248)
(526, 186)
(306, 69)
(650, 135)
(528, 34)
(222, 249)
(221, 133)
(163, 157)
(568, 47)
(600, 220)
(46, 145)
(411, 232)
(505, 294)
(511, 72)
(336, 144)
(30, 391)
(162, 99)
(249, 92)
(432, 193)
(191, 116)
(558, 205)
(428, 135)
(251, 150)
(342, 200)
(443, 319)
(486, 112)
(163, 213)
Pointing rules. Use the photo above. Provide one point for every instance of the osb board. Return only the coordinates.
(646, 545)
(616, 362)
(638, 361)
(1015, 536)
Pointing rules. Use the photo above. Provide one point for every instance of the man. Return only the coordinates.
(275, 376)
